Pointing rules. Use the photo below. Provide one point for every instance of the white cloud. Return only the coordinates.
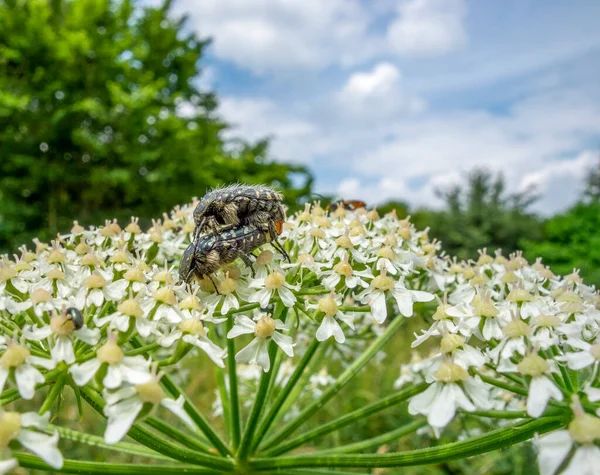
(377, 93)
(274, 35)
(428, 27)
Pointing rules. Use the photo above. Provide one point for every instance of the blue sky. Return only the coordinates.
(391, 99)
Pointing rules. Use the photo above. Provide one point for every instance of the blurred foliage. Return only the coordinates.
(480, 214)
(101, 117)
(571, 240)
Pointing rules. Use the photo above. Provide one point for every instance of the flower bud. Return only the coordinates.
(274, 280)
(206, 285)
(484, 259)
(405, 234)
(518, 295)
(56, 256)
(120, 257)
(328, 306)
(344, 241)
(516, 329)
(163, 276)
(305, 258)
(191, 302)
(22, 265)
(188, 227)
(382, 282)
(14, 356)
(387, 253)
(264, 258)
(533, 365)
(10, 426)
(150, 392)
(451, 373)
(584, 428)
(131, 308)
(343, 268)
(509, 278)
(391, 240)
(62, 325)
(228, 285)
(451, 342)
(55, 274)
(94, 281)
(165, 295)
(265, 327)
(40, 295)
(82, 248)
(110, 352)
(135, 274)
(133, 227)
(7, 273)
(373, 215)
(548, 321)
(317, 233)
(77, 228)
(90, 260)
(323, 222)
(305, 216)
(193, 326)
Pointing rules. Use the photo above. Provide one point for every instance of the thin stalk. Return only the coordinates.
(53, 394)
(196, 416)
(342, 380)
(502, 384)
(224, 396)
(234, 403)
(285, 392)
(150, 440)
(379, 440)
(96, 441)
(259, 403)
(142, 349)
(349, 418)
(103, 468)
(564, 371)
(489, 442)
(177, 435)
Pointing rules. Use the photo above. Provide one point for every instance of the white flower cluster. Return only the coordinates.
(512, 336)
(500, 322)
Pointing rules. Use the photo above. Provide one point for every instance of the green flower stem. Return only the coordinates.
(257, 407)
(96, 441)
(500, 414)
(314, 291)
(349, 418)
(342, 380)
(53, 394)
(150, 440)
(285, 392)
(363, 308)
(379, 440)
(196, 416)
(224, 396)
(103, 468)
(298, 390)
(242, 309)
(564, 371)
(182, 349)
(234, 403)
(322, 471)
(489, 442)
(177, 435)
(142, 349)
(502, 384)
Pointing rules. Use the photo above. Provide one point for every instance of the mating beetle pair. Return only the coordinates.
(231, 222)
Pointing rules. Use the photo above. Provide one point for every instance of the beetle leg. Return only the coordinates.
(277, 245)
(214, 284)
(248, 262)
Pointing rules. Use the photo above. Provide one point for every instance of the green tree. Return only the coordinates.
(482, 215)
(592, 183)
(571, 240)
(92, 94)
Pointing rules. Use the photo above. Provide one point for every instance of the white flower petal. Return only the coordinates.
(540, 392)
(27, 377)
(552, 450)
(176, 407)
(82, 373)
(287, 297)
(120, 422)
(63, 350)
(284, 342)
(378, 306)
(42, 445)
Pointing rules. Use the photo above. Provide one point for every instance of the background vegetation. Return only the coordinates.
(101, 116)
